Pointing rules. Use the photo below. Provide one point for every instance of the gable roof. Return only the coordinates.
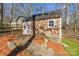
(48, 15)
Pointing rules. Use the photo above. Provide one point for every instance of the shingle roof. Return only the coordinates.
(52, 14)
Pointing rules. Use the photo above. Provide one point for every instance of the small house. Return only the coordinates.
(47, 24)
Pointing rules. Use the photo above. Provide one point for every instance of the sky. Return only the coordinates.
(24, 7)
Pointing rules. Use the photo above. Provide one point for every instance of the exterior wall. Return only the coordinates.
(53, 34)
(42, 28)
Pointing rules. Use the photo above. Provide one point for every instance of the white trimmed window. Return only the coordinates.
(51, 23)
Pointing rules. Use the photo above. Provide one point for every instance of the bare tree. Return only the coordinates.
(19, 10)
(24, 9)
(75, 16)
(65, 15)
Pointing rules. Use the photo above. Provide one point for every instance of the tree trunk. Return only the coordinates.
(1, 12)
(75, 17)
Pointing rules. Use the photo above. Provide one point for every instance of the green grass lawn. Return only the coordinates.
(73, 46)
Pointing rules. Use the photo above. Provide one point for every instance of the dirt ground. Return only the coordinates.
(4, 50)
